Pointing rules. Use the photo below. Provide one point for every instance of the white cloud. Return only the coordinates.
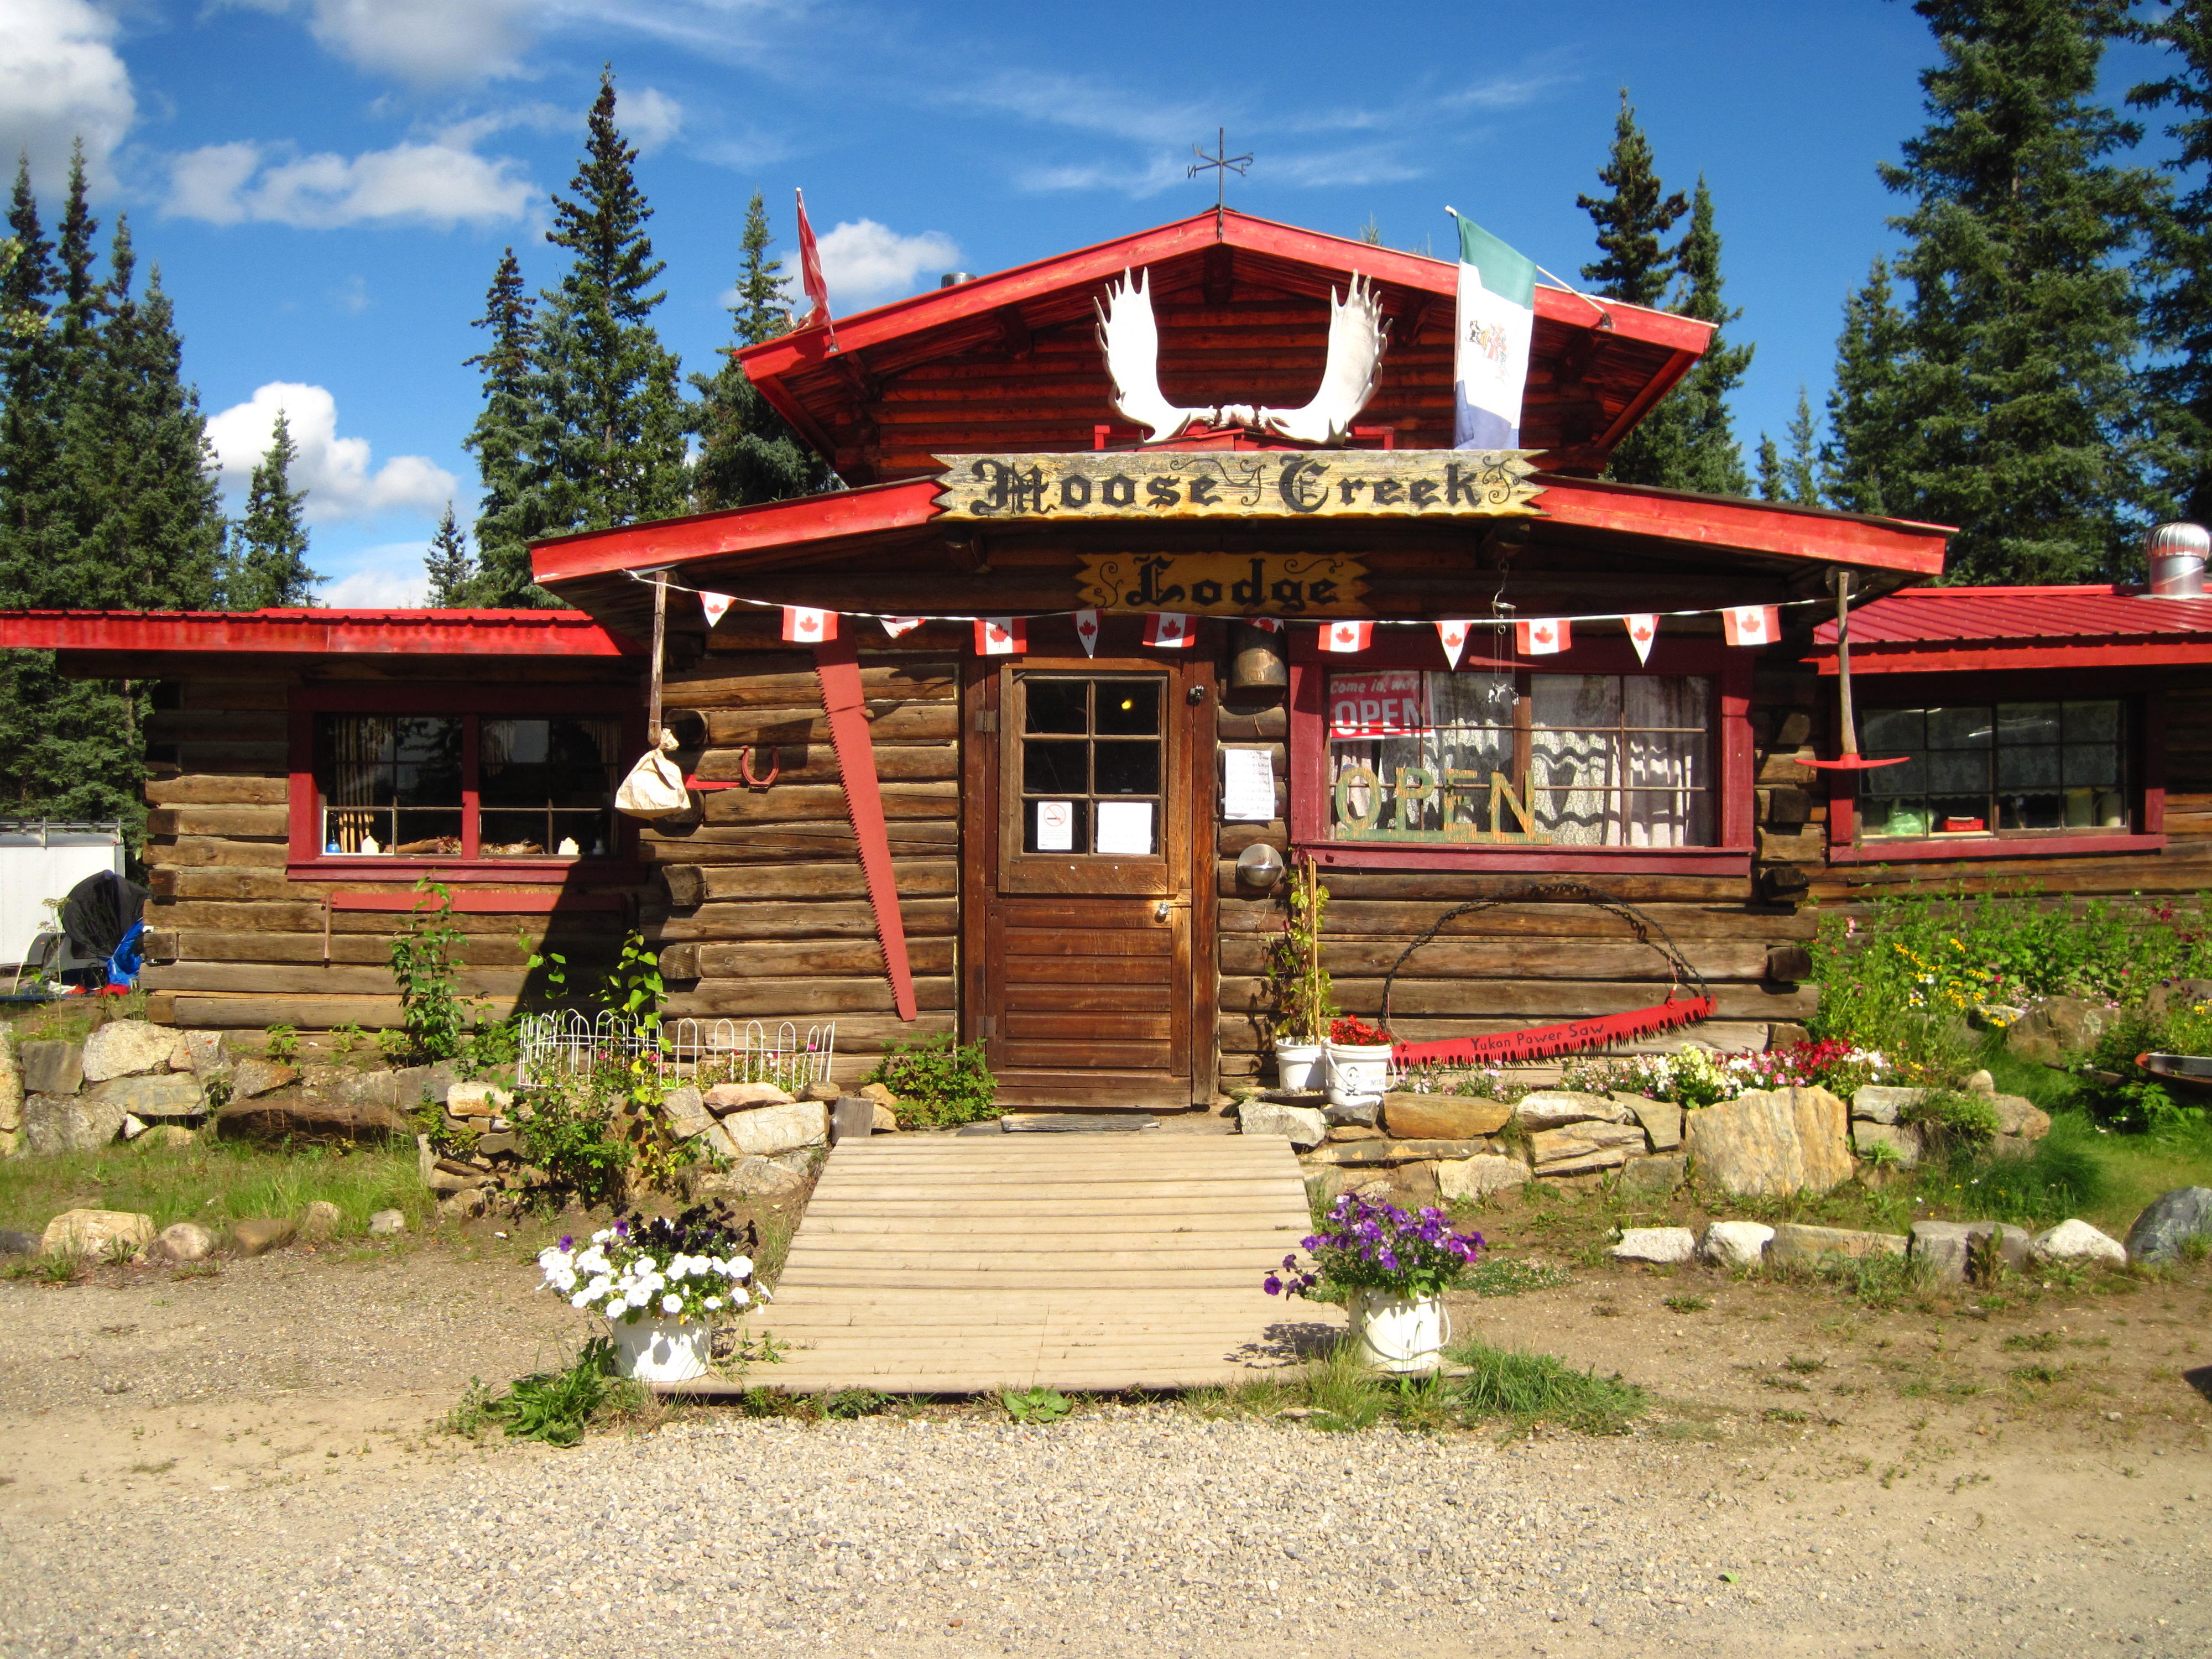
(61, 80)
(1135, 181)
(334, 470)
(1364, 164)
(864, 262)
(396, 581)
(648, 118)
(427, 42)
(435, 184)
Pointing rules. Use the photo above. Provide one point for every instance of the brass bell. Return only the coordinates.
(1257, 662)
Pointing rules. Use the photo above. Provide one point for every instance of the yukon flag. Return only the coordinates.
(1169, 629)
(1001, 636)
(1543, 636)
(895, 626)
(1751, 624)
(804, 627)
(1086, 630)
(1497, 314)
(1453, 636)
(1641, 630)
(716, 605)
(1346, 636)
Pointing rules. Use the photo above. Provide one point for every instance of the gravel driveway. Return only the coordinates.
(263, 1483)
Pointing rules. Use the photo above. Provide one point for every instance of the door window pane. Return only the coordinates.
(547, 786)
(1091, 765)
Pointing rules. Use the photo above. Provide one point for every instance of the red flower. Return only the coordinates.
(1351, 1031)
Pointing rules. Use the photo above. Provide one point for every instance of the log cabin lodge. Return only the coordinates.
(1054, 815)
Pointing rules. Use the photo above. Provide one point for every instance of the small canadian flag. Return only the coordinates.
(1001, 636)
(1265, 624)
(804, 627)
(1751, 624)
(1346, 636)
(1543, 636)
(896, 626)
(1170, 629)
(1641, 630)
(716, 605)
(1453, 636)
(1086, 630)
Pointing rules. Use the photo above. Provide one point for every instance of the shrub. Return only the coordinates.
(436, 1015)
(939, 1083)
(1949, 1121)
(2064, 1178)
(569, 1130)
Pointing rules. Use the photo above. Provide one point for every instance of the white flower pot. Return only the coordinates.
(1357, 1072)
(653, 1351)
(1401, 1335)
(1297, 1065)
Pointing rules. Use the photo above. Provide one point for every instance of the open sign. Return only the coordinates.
(1376, 705)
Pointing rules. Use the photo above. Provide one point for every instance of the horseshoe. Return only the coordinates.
(745, 767)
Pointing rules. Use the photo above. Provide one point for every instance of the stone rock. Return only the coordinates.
(1441, 1117)
(200, 1052)
(90, 1232)
(413, 1084)
(259, 1234)
(387, 1223)
(500, 1143)
(169, 1137)
(16, 1243)
(2077, 1241)
(765, 1131)
(1944, 1249)
(1904, 1142)
(478, 1099)
(2167, 1220)
(886, 1120)
(1478, 1177)
(1580, 1147)
(686, 1111)
(165, 1094)
(2018, 1116)
(358, 1089)
(1549, 1108)
(426, 1160)
(293, 1114)
(11, 1086)
(186, 1241)
(1661, 1119)
(2055, 1027)
(1655, 1176)
(464, 1205)
(1302, 1126)
(1876, 1103)
(725, 1097)
(451, 1174)
(1795, 1242)
(52, 1069)
(254, 1076)
(68, 1124)
(749, 1177)
(827, 1093)
(852, 1117)
(1769, 1143)
(1784, 1035)
(880, 1093)
(1667, 1244)
(1360, 1112)
(1339, 1133)
(321, 1221)
(132, 1128)
(1981, 1082)
(1735, 1244)
(127, 1048)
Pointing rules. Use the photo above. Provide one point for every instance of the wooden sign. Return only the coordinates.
(1337, 484)
(1225, 584)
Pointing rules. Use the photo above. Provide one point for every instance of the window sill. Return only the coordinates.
(1994, 846)
(595, 872)
(1551, 859)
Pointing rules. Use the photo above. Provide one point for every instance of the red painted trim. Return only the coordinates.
(1641, 404)
(2150, 755)
(873, 511)
(319, 633)
(837, 663)
(1947, 657)
(1601, 860)
(1744, 526)
(1996, 847)
(479, 904)
(548, 872)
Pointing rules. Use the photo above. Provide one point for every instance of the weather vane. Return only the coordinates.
(1222, 163)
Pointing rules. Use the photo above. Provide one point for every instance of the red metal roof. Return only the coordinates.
(317, 632)
(1941, 629)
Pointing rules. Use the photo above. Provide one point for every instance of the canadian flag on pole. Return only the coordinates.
(896, 626)
(1001, 636)
(1346, 636)
(1086, 630)
(1170, 629)
(1751, 624)
(1454, 637)
(716, 605)
(1641, 630)
(804, 627)
(810, 275)
(1543, 636)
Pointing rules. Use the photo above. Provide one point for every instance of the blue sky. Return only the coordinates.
(326, 185)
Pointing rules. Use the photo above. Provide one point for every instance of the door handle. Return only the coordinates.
(1160, 909)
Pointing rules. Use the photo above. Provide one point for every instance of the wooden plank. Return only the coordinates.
(816, 762)
(1540, 999)
(815, 802)
(1349, 917)
(293, 979)
(737, 999)
(270, 821)
(1022, 996)
(887, 723)
(204, 852)
(784, 681)
(1148, 942)
(761, 959)
(796, 920)
(693, 885)
(1246, 954)
(1442, 890)
(219, 789)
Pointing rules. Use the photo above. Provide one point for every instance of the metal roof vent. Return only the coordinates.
(954, 278)
(2176, 553)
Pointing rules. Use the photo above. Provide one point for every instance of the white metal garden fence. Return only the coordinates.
(720, 1051)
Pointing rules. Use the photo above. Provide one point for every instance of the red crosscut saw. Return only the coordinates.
(1687, 998)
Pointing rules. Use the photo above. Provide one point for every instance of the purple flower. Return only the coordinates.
(568, 1241)
(1273, 1285)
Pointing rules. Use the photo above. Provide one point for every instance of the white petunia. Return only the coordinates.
(737, 1296)
(713, 1305)
(741, 1266)
(582, 1299)
(672, 1304)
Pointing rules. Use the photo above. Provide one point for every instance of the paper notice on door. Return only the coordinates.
(1055, 826)
(1125, 827)
(1247, 790)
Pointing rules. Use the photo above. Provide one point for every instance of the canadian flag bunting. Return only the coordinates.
(1170, 629)
(1346, 636)
(896, 626)
(1086, 630)
(1751, 624)
(716, 605)
(1641, 630)
(1001, 636)
(804, 627)
(1543, 636)
(1265, 624)
(1454, 637)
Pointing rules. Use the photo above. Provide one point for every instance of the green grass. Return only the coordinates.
(1505, 1275)
(212, 1182)
(1537, 1388)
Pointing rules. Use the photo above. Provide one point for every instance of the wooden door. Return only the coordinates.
(1088, 977)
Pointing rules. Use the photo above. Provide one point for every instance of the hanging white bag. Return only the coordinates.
(655, 787)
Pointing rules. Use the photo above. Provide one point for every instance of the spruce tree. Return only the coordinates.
(1862, 459)
(266, 568)
(612, 390)
(1632, 264)
(2176, 269)
(512, 439)
(747, 452)
(2013, 398)
(452, 571)
(1794, 479)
